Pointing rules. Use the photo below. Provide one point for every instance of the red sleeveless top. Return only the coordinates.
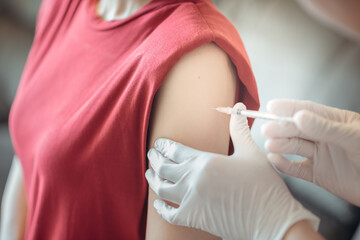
(80, 117)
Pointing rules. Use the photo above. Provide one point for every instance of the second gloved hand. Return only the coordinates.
(234, 197)
(328, 137)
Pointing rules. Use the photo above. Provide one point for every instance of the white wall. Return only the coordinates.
(294, 56)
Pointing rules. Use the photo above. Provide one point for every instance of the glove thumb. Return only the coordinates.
(166, 211)
(240, 131)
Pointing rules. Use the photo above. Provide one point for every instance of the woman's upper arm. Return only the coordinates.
(183, 111)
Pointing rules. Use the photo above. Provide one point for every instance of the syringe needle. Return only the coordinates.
(254, 114)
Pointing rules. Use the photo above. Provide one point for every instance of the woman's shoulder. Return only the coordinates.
(192, 25)
(189, 25)
(199, 18)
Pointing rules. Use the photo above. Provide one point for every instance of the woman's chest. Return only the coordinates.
(77, 99)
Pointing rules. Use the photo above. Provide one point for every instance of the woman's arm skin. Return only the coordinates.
(302, 230)
(14, 205)
(182, 111)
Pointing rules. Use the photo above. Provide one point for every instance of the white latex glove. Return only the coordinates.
(235, 197)
(328, 137)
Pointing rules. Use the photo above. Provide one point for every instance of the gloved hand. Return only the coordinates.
(235, 197)
(328, 137)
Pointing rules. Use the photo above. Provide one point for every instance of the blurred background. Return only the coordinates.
(293, 56)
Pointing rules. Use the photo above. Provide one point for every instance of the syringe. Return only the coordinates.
(254, 114)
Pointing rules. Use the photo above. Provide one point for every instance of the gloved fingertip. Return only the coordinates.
(162, 145)
(238, 121)
(270, 105)
(273, 157)
(274, 104)
(158, 204)
(269, 156)
(239, 106)
(266, 144)
(148, 174)
(159, 143)
(150, 153)
(265, 129)
(308, 122)
(280, 106)
(302, 117)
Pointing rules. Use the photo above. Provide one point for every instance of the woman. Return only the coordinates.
(86, 112)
